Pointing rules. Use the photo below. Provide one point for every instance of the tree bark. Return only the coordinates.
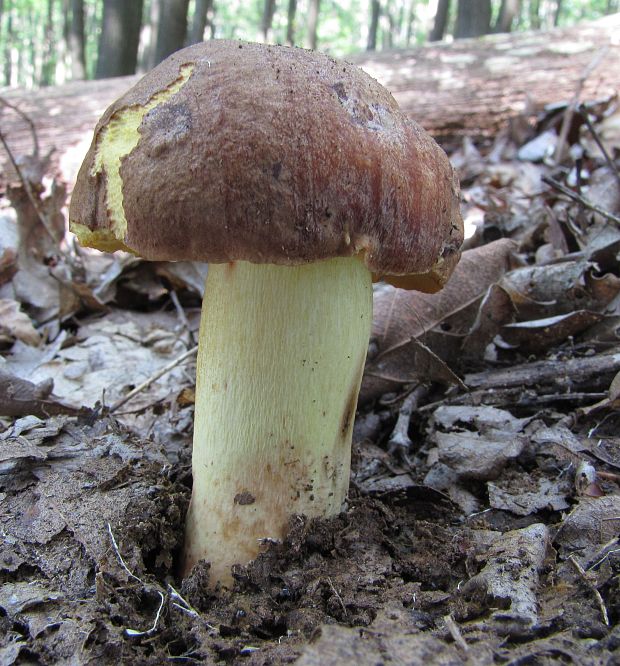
(77, 40)
(557, 13)
(508, 12)
(409, 31)
(202, 18)
(441, 21)
(373, 27)
(535, 14)
(471, 88)
(49, 61)
(172, 28)
(290, 22)
(473, 18)
(313, 23)
(120, 35)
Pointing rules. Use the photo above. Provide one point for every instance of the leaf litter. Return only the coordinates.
(484, 512)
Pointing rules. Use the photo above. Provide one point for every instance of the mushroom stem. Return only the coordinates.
(280, 361)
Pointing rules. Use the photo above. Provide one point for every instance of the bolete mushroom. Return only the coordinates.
(298, 179)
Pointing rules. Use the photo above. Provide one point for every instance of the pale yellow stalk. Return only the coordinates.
(280, 361)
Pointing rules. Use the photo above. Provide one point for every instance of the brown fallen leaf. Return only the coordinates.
(540, 334)
(440, 321)
(8, 265)
(19, 397)
(545, 291)
(16, 325)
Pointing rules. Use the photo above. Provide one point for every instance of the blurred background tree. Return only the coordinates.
(46, 42)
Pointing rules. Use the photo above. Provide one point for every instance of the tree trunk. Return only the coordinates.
(313, 23)
(375, 12)
(49, 59)
(409, 32)
(441, 21)
(290, 22)
(535, 14)
(8, 38)
(77, 40)
(473, 18)
(471, 88)
(202, 18)
(557, 14)
(508, 12)
(118, 42)
(269, 9)
(172, 28)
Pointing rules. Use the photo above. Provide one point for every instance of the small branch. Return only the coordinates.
(399, 441)
(586, 203)
(584, 577)
(28, 120)
(572, 107)
(335, 591)
(455, 632)
(610, 163)
(182, 316)
(153, 378)
(27, 188)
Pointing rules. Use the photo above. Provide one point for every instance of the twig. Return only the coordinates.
(28, 120)
(610, 163)
(399, 441)
(153, 378)
(182, 316)
(571, 108)
(179, 602)
(455, 632)
(335, 591)
(27, 188)
(584, 576)
(586, 203)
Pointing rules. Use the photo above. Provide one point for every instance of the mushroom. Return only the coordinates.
(298, 179)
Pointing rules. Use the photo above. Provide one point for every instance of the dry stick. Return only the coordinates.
(153, 378)
(399, 439)
(610, 163)
(584, 576)
(455, 632)
(27, 188)
(335, 591)
(571, 108)
(182, 316)
(586, 203)
(28, 120)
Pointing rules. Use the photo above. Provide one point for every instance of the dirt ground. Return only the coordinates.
(484, 512)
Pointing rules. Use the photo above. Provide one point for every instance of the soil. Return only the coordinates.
(93, 528)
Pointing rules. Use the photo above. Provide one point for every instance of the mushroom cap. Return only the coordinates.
(238, 151)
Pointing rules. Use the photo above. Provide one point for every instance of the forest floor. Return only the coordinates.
(484, 514)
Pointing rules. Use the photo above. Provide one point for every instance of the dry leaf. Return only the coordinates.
(540, 334)
(16, 325)
(438, 320)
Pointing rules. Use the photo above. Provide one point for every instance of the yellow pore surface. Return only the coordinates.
(117, 139)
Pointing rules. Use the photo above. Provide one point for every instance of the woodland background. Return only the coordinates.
(47, 42)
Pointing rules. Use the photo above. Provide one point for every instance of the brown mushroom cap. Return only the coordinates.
(269, 154)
